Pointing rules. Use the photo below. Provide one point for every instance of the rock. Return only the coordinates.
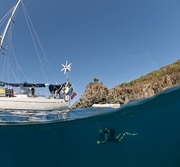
(97, 93)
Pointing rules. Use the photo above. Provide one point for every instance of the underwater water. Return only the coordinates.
(56, 139)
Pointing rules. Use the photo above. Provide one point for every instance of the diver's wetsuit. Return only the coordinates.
(106, 135)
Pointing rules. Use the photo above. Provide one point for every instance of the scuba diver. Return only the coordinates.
(108, 135)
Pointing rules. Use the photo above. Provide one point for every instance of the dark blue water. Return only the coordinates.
(45, 139)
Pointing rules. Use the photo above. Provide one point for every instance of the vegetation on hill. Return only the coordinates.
(96, 80)
(156, 75)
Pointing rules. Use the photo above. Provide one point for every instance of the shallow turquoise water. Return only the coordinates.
(69, 140)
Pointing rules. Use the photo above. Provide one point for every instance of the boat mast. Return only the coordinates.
(8, 23)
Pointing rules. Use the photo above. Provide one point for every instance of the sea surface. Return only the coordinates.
(59, 139)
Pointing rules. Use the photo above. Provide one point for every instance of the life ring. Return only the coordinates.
(66, 98)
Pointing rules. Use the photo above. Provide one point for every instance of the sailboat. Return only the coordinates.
(26, 98)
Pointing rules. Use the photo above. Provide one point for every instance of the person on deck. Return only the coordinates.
(32, 91)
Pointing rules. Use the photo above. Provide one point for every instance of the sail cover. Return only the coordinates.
(25, 84)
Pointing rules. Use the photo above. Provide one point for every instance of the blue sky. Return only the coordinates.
(115, 41)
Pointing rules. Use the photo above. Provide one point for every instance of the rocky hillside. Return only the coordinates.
(145, 86)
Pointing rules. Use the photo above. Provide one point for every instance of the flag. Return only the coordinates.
(73, 95)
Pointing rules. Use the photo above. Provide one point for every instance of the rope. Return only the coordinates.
(33, 31)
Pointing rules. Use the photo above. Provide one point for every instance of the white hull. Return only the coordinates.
(32, 104)
(107, 105)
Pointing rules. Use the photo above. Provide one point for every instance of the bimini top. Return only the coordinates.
(25, 84)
